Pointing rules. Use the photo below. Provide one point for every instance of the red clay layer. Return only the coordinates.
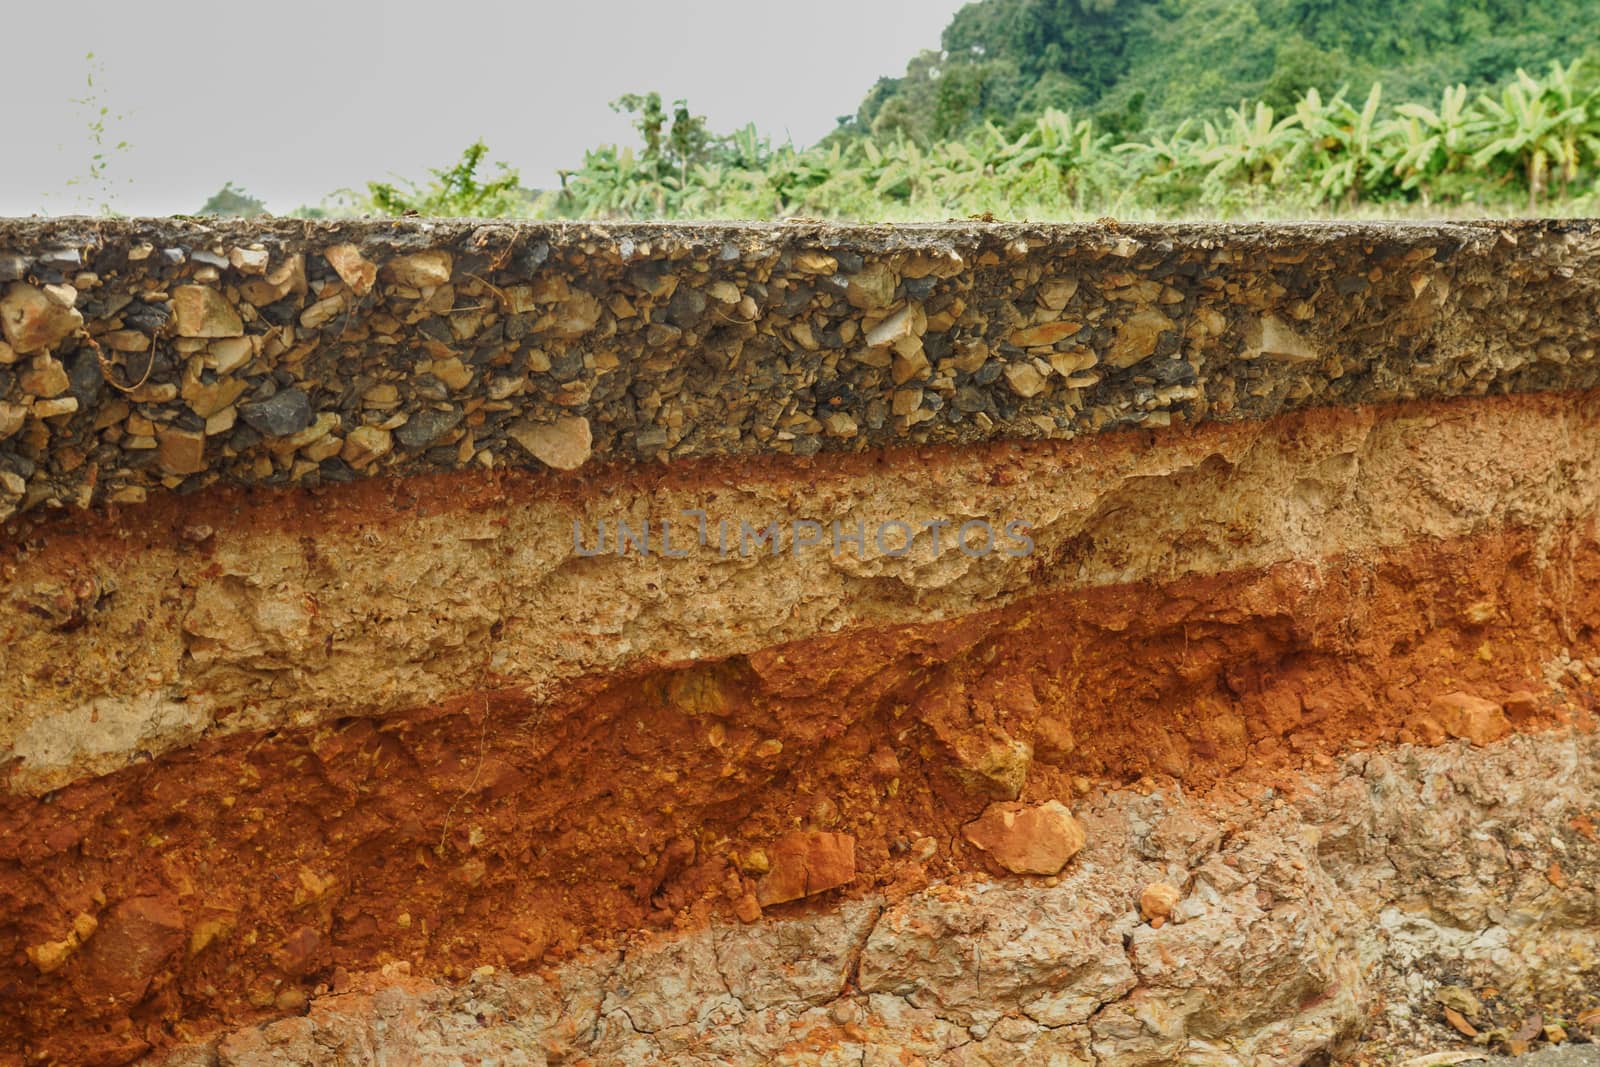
(229, 880)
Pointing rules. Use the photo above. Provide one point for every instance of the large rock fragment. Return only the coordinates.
(1025, 839)
(1137, 337)
(1470, 717)
(1273, 338)
(46, 377)
(284, 413)
(201, 311)
(133, 944)
(354, 269)
(1045, 334)
(805, 863)
(564, 444)
(182, 451)
(34, 320)
(421, 269)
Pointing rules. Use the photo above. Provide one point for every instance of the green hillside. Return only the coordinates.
(1139, 63)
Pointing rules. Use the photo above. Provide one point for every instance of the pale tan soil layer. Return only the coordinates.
(419, 729)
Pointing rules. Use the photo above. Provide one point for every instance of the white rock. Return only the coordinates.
(565, 444)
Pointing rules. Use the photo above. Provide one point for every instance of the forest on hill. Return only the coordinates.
(1137, 64)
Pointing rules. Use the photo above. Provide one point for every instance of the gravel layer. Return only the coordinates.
(148, 354)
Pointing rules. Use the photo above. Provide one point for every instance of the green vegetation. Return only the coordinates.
(1053, 109)
(1138, 64)
(232, 203)
(1530, 144)
(457, 190)
(1136, 109)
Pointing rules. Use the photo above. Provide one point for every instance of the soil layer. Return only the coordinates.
(230, 879)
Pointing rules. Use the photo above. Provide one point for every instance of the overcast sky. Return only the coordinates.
(294, 99)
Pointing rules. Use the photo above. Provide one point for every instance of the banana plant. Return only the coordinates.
(1253, 147)
(1057, 158)
(1345, 152)
(1577, 98)
(1539, 133)
(613, 183)
(1531, 128)
(1162, 154)
(1428, 143)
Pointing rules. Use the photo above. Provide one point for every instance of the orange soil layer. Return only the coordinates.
(491, 831)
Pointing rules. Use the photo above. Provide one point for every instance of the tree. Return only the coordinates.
(686, 142)
(231, 203)
(1113, 60)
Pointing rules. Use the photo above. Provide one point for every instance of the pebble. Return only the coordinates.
(1157, 901)
(34, 321)
(352, 267)
(899, 326)
(201, 311)
(45, 377)
(1025, 379)
(906, 402)
(1136, 339)
(565, 444)
(12, 416)
(321, 312)
(1045, 334)
(427, 426)
(61, 405)
(182, 451)
(1275, 339)
(281, 415)
(366, 444)
(747, 908)
(872, 287)
(815, 263)
(62, 258)
(248, 260)
(422, 269)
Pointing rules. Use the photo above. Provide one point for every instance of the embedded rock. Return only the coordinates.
(1027, 839)
(1473, 718)
(201, 311)
(806, 863)
(564, 444)
(34, 320)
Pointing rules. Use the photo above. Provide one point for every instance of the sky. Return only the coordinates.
(293, 100)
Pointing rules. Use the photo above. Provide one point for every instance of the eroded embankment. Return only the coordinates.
(328, 698)
(535, 803)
